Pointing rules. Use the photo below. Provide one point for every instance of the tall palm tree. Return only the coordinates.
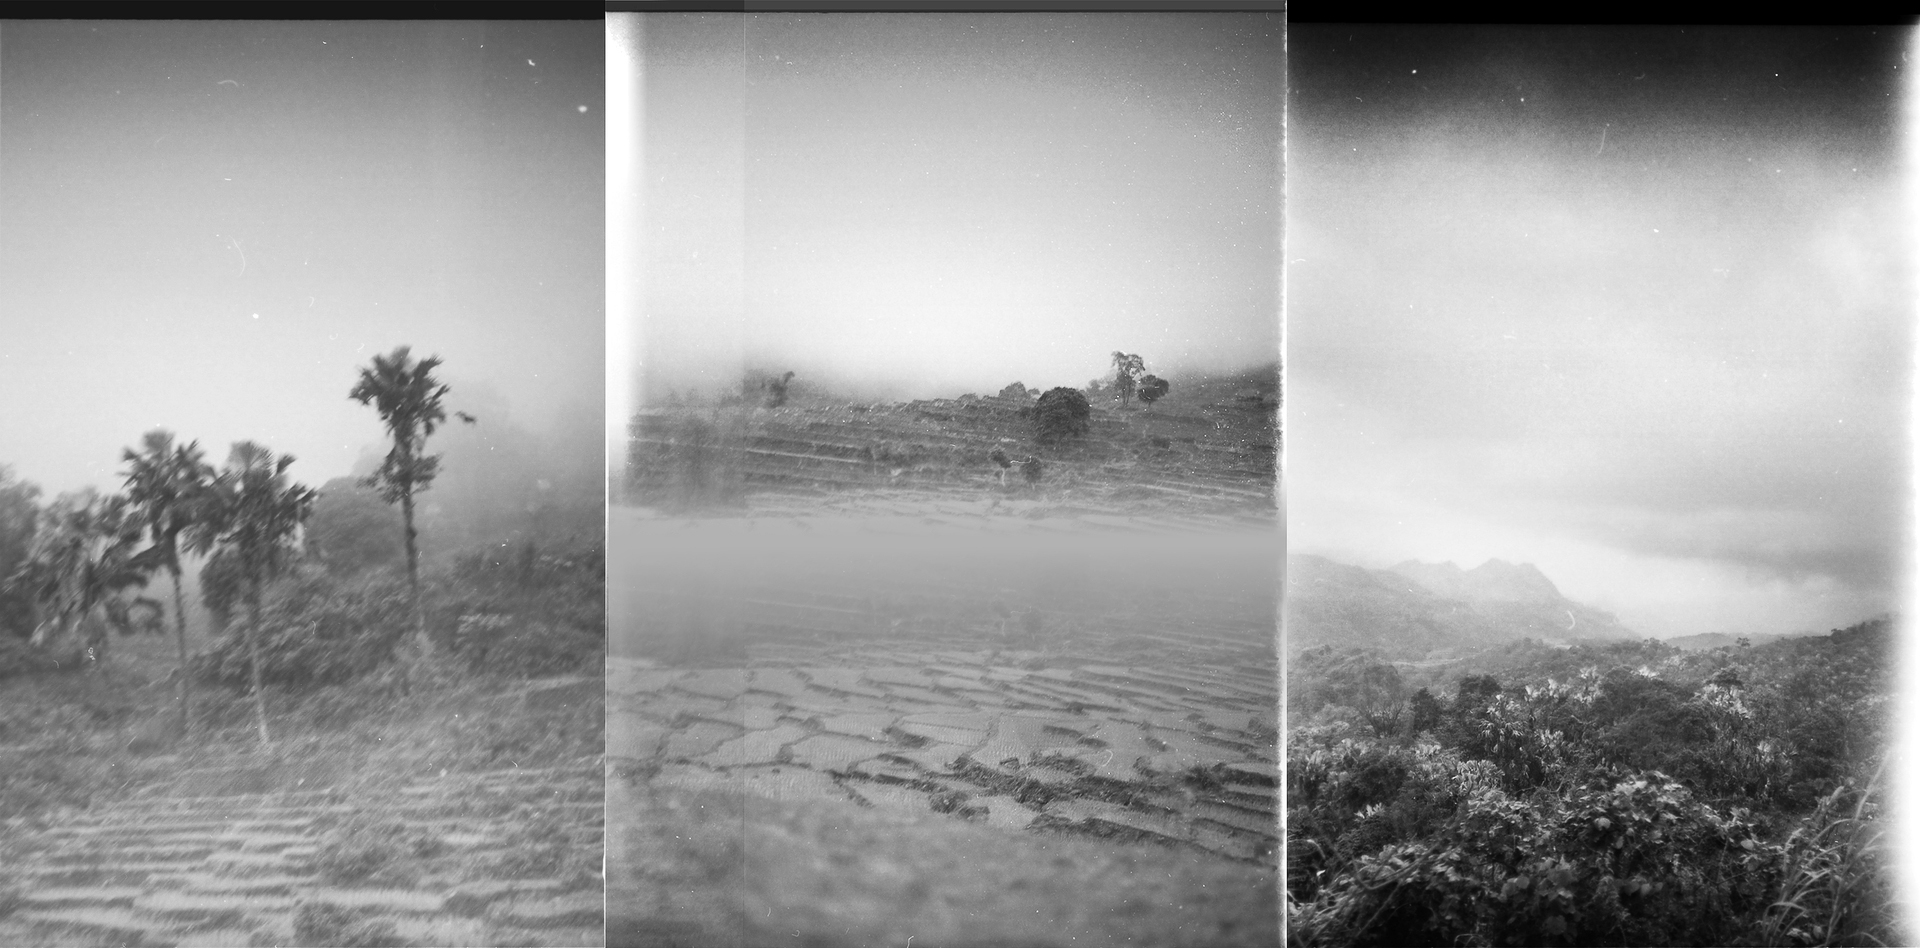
(168, 484)
(84, 553)
(408, 398)
(254, 511)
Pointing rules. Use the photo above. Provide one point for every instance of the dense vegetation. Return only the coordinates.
(308, 591)
(1626, 793)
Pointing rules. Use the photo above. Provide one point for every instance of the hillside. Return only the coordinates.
(1209, 447)
(1707, 641)
(1416, 609)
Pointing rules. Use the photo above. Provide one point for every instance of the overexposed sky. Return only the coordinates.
(1630, 304)
(938, 203)
(209, 226)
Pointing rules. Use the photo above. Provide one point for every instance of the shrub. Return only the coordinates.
(321, 923)
(524, 610)
(1060, 414)
(316, 629)
(352, 529)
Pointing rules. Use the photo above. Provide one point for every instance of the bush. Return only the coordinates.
(17, 657)
(352, 529)
(1625, 793)
(1636, 862)
(1060, 414)
(316, 629)
(523, 610)
(321, 923)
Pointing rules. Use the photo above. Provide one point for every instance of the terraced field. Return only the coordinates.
(1191, 459)
(251, 849)
(1091, 678)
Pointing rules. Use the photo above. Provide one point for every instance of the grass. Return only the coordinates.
(318, 923)
(73, 740)
(1836, 889)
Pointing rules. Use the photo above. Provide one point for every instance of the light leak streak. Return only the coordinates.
(624, 212)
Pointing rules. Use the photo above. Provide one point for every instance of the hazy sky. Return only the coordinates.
(1632, 305)
(953, 202)
(210, 226)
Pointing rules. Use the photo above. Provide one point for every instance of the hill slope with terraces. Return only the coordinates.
(841, 638)
(1209, 446)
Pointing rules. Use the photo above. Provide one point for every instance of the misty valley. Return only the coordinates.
(1472, 758)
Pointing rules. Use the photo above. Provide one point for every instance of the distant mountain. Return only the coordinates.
(1492, 581)
(1415, 608)
(1712, 640)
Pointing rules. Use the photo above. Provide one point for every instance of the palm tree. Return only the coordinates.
(254, 512)
(408, 398)
(84, 553)
(168, 484)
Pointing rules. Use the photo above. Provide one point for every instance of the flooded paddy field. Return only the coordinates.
(981, 727)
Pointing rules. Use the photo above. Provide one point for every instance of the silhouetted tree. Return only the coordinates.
(1424, 711)
(19, 514)
(408, 398)
(1127, 370)
(1152, 387)
(1060, 414)
(777, 390)
(254, 511)
(168, 483)
(1001, 460)
(85, 552)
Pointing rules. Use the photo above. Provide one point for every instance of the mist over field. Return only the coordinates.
(1631, 305)
(900, 206)
(702, 567)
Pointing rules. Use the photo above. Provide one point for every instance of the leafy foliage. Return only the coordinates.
(411, 405)
(410, 402)
(315, 629)
(222, 584)
(1153, 388)
(19, 515)
(1619, 794)
(1060, 414)
(85, 553)
(254, 512)
(1127, 369)
(352, 530)
(521, 610)
(169, 484)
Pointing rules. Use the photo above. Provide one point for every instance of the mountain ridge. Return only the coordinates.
(1415, 609)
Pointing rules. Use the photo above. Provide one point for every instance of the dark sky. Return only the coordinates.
(948, 203)
(1631, 304)
(210, 226)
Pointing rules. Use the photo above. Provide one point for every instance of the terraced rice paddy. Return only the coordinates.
(1098, 684)
(251, 849)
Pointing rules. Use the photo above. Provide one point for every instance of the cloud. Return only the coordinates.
(1685, 355)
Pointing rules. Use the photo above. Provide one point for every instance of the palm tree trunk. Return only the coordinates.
(253, 659)
(413, 578)
(180, 628)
